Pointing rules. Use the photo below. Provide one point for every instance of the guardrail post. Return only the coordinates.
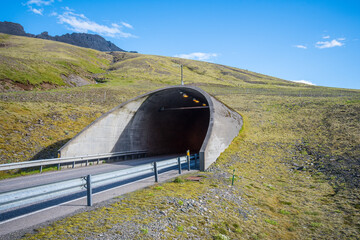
(58, 166)
(188, 159)
(179, 163)
(233, 177)
(89, 190)
(73, 165)
(156, 172)
(41, 169)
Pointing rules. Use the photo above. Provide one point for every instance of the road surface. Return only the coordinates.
(20, 219)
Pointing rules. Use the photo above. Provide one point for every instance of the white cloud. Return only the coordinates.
(341, 39)
(197, 56)
(304, 82)
(36, 11)
(301, 46)
(39, 2)
(127, 25)
(80, 23)
(68, 9)
(329, 44)
(326, 37)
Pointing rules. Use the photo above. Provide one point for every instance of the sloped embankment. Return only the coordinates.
(30, 64)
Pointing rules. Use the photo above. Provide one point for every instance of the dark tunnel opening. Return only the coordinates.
(168, 122)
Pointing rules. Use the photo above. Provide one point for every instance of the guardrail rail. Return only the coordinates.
(32, 195)
(73, 160)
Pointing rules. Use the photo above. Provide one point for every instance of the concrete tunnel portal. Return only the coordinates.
(163, 122)
(167, 122)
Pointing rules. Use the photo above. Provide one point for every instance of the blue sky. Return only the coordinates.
(317, 41)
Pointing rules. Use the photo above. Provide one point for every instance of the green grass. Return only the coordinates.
(180, 228)
(34, 61)
(284, 212)
(315, 224)
(272, 222)
(144, 231)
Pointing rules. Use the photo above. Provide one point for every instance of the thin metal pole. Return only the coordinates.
(233, 177)
(58, 166)
(41, 169)
(156, 172)
(89, 190)
(179, 163)
(182, 81)
(188, 159)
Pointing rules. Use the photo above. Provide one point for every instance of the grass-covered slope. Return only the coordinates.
(28, 63)
(296, 160)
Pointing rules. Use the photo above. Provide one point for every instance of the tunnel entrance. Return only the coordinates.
(162, 122)
(167, 122)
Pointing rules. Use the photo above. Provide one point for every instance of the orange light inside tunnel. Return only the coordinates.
(204, 104)
(195, 100)
(185, 96)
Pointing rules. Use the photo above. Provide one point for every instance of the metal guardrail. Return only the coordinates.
(27, 196)
(40, 193)
(59, 161)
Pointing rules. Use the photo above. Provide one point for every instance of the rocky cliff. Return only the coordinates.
(12, 28)
(78, 39)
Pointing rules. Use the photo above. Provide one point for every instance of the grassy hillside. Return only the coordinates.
(28, 63)
(35, 63)
(296, 160)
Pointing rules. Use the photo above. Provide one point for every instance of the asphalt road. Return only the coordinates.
(24, 217)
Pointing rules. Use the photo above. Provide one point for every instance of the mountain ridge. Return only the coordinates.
(86, 40)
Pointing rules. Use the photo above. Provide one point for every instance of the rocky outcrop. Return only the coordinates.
(12, 28)
(86, 40)
(83, 40)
